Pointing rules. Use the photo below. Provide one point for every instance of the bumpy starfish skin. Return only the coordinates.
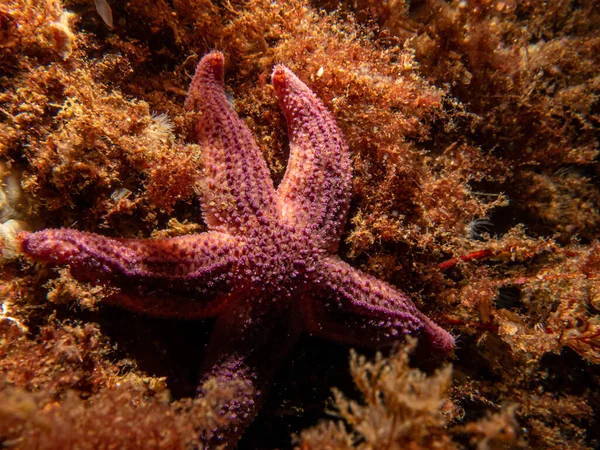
(267, 269)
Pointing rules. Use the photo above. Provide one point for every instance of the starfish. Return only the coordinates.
(267, 270)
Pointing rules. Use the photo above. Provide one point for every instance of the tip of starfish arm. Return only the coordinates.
(294, 96)
(284, 80)
(213, 60)
(446, 343)
(21, 240)
(210, 71)
(41, 246)
(279, 73)
(440, 341)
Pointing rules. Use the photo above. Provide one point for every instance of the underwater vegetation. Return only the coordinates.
(472, 128)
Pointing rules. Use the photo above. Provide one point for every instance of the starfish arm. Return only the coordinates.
(237, 190)
(198, 270)
(315, 191)
(240, 406)
(248, 343)
(351, 306)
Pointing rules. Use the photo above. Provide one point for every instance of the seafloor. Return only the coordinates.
(473, 129)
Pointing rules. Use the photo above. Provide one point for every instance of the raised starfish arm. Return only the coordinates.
(315, 191)
(353, 307)
(151, 275)
(238, 188)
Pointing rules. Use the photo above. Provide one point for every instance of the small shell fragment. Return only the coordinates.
(120, 194)
(105, 12)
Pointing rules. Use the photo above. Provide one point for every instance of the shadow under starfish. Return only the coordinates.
(267, 269)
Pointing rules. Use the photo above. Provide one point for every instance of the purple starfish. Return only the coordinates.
(268, 268)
